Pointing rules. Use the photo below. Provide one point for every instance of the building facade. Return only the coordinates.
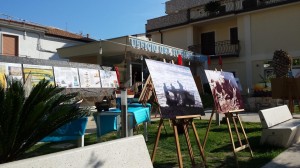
(128, 54)
(25, 39)
(244, 33)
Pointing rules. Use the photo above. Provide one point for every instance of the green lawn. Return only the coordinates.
(218, 150)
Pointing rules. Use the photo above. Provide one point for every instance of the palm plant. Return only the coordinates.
(25, 121)
(212, 6)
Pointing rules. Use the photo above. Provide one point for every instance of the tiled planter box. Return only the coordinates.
(258, 103)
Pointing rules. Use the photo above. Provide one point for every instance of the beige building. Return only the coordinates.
(245, 33)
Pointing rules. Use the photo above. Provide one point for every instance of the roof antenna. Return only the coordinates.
(66, 26)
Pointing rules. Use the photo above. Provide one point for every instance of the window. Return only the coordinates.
(10, 45)
(234, 35)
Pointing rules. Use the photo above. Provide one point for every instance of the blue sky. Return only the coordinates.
(102, 19)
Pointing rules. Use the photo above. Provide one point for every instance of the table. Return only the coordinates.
(108, 121)
(72, 130)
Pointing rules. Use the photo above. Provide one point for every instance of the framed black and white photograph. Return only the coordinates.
(175, 88)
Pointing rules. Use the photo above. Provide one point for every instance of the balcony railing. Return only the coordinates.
(220, 48)
(197, 13)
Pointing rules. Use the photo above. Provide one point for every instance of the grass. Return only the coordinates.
(218, 150)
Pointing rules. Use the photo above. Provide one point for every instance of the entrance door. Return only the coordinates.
(137, 77)
(136, 72)
(208, 43)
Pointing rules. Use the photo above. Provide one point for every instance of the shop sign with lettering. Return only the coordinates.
(159, 48)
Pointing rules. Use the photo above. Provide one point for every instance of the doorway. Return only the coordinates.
(208, 43)
(137, 72)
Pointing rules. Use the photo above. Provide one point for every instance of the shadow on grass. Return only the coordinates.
(47, 148)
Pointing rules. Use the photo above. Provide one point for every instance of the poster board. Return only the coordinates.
(38, 72)
(225, 91)
(89, 78)
(66, 77)
(175, 89)
(12, 71)
(109, 79)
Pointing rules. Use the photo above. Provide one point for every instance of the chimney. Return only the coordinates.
(87, 35)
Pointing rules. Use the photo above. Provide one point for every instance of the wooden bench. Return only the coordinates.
(128, 152)
(279, 127)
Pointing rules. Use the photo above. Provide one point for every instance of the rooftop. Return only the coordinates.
(50, 31)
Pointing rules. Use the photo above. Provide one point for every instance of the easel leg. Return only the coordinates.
(236, 129)
(177, 144)
(291, 105)
(208, 128)
(199, 143)
(156, 141)
(245, 136)
(227, 115)
(163, 122)
(187, 138)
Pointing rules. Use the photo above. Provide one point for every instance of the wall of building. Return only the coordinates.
(261, 33)
(156, 37)
(36, 44)
(275, 29)
(180, 37)
(221, 29)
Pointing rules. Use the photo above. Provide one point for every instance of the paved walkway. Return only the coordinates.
(289, 158)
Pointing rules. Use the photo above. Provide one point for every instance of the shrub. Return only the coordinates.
(25, 121)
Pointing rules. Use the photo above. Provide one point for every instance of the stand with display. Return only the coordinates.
(226, 96)
(146, 94)
(232, 117)
(185, 121)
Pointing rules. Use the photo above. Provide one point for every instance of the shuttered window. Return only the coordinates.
(10, 45)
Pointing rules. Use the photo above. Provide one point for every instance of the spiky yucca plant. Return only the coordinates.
(25, 121)
(281, 63)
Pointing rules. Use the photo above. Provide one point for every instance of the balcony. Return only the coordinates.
(168, 20)
(173, 6)
(225, 48)
(183, 16)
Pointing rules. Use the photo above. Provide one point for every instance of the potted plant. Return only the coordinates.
(249, 4)
(26, 121)
(263, 2)
(212, 7)
(263, 88)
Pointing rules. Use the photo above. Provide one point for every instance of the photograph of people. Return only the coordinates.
(175, 89)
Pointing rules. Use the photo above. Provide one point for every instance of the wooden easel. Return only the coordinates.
(185, 121)
(146, 93)
(232, 116)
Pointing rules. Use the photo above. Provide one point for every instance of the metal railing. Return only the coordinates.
(223, 48)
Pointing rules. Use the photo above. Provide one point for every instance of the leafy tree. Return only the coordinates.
(25, 121)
